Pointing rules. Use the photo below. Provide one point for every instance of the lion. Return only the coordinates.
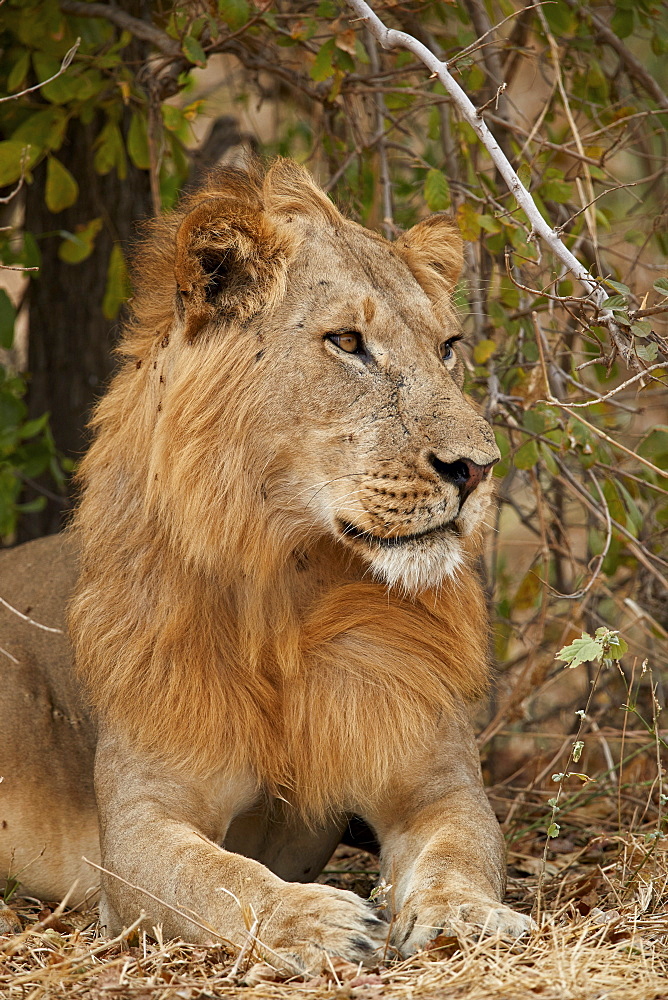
(274, 612)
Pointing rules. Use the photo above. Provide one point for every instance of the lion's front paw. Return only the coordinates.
(310, 922)
(422, 920)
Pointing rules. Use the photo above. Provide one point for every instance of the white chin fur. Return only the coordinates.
(419, 565)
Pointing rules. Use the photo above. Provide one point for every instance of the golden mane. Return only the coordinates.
(186, 628)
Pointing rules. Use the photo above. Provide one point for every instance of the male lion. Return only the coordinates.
(277, 622)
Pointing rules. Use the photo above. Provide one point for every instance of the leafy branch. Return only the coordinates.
(596, 294)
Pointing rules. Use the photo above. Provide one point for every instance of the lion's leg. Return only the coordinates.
(275, 835)
(161, 835)
(441, 847)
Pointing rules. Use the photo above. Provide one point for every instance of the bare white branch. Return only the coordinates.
(390, 38)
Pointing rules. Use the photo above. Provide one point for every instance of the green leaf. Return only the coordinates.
(583, 650)
(61, 188)
(526, 457)
(79, 245)
(43, 129)
(489, 224)
(483, 351)
(172, 117)
(559, 18)
(61, 90)
(606, 642)
(635, 236)
(137, 142)
(436, 191)
(323, 67)
(468, 222)
(18, 72)
(617, 285)
(621, 23)
(34, 457)
(633, 513)
(655, 446)
(661, 285)
(33, 427)
(553, 830)
(234, 12)
(30, 253)
(193, 51)
(7, 318)
(528, 592)
(118, 284)
(32, 506)
(548, 459)
(578, 747)
(642, 328)
(12, 411)
(556, 190)
(617, 648)
(524, 174)
(648, 352)
(12, 155)
(109, 151)
(434, 124)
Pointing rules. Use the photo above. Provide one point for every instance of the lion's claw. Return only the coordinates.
(312, 922)
(418, 924)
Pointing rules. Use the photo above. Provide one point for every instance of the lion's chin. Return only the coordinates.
(413, 563)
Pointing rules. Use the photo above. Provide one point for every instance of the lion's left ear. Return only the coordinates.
(230, 262)
(433, 250)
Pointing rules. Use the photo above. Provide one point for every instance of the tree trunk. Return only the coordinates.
(70, 340)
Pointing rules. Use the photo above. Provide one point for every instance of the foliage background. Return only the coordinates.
(155, 94)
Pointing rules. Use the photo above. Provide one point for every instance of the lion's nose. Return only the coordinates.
(462, 473)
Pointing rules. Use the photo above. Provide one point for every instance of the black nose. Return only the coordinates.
(464, 474)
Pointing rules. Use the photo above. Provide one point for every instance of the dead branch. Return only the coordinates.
(126, 22)
(632, 65)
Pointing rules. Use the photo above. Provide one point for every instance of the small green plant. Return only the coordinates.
(604, 647)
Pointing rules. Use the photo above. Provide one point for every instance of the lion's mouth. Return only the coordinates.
(395, 541)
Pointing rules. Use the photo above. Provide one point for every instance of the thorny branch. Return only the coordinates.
(596, 295)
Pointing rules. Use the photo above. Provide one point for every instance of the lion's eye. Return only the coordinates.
(445, 350)
(351, 343)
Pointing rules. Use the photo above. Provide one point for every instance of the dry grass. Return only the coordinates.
(604, 934)
(599, 891)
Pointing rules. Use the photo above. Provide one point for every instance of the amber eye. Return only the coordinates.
(351, 343)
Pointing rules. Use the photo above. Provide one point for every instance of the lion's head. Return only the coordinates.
(325, 356)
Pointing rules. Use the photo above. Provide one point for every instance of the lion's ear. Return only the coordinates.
(230, 262)
(433, 250)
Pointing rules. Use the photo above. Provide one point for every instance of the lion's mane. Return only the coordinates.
(184, 623)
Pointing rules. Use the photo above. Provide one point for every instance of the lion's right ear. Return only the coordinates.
(434, 252)
(230, 262)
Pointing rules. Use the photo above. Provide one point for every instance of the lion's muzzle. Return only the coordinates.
(464, 474)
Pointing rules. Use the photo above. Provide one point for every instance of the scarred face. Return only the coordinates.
(399, 459)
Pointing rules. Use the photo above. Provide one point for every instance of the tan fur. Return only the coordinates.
(194, 526)
(277, 620)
